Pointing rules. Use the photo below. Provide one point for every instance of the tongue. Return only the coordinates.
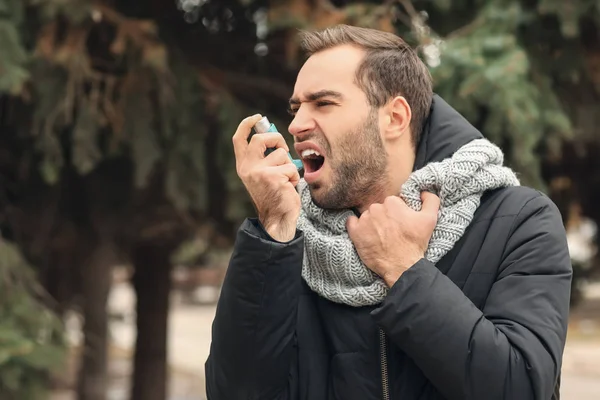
(314, 163)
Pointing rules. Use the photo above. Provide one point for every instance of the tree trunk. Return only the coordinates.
(96, 282)
(152, 282)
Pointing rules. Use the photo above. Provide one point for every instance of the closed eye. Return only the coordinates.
(324, 103)
(292, 110)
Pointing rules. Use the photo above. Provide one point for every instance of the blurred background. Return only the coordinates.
(118, 195)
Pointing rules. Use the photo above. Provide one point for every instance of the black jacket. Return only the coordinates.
(487, 322)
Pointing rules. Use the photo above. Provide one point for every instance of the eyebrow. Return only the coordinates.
(317, 95)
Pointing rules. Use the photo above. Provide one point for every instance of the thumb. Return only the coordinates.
(351, 225)
(431, 203)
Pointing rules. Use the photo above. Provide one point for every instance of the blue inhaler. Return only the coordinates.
(263, 126)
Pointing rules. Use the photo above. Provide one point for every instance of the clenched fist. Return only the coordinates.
(391, 237)
(270, 181)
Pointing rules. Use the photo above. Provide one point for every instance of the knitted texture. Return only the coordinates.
(331, 265)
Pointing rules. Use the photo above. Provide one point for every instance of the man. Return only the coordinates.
(408, 263)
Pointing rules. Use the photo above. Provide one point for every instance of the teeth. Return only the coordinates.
(309, 152)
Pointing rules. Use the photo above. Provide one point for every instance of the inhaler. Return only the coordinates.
(263, 126)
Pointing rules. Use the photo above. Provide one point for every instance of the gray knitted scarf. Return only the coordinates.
(332, 267)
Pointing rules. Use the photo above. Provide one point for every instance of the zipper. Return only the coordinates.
(384, 365)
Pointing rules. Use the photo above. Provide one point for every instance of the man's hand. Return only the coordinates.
(391, 237)
(270, 180)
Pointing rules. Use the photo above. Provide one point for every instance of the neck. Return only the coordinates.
(377, 195)
(400, 166)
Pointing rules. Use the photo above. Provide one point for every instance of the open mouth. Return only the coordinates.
(313, 160)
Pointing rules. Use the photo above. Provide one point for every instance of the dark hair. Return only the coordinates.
(390, 68)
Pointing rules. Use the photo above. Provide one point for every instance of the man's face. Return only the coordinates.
(336, 131)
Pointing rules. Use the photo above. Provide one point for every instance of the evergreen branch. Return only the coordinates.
(213, 79)
(410, 10)
(414, 20)
(137, 30)
(466, 29)
(109, 13)
(404, 18)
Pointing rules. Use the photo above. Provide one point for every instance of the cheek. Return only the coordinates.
(352, 140)
(342, 130)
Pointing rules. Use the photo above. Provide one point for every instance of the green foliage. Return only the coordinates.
(186, 132)
(484, 65)
(101, 82)
(139, 130)
(485, 72)
(569, 13)
(31, 343)
(189, 252)
(75, 10)
(13, 73)
(82, 115)
(155, 109)
(86, 152)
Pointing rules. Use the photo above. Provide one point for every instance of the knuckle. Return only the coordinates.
(249, 119)
(280, 152)
(277, 138)
(261, 173)
(252, 174)
(391, 200)
(243, 124)
(375, 208)
(257, 138)
(245, 174)
(432, 219)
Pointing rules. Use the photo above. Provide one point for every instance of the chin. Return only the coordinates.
(324, 198)
(317, 194)
(316, 191)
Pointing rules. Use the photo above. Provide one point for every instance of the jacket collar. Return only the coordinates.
(445, 132)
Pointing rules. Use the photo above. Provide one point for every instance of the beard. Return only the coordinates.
(359, 168)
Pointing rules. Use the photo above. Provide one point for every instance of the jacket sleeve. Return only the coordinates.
(512, 349)
(253, 330)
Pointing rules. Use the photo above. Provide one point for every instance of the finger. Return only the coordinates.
(240, 137)
(278, 157)
(394, 201)
(263, 141)
(351, 225)
(289, 171)
(376, 210)
(295, 179)
(431, 203)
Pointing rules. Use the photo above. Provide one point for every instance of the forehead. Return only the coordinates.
(332, 69)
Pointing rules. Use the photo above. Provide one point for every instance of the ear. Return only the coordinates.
(397, 118)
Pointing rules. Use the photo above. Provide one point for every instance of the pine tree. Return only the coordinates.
(31, 338)
(117, 120)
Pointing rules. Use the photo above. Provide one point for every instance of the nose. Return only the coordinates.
(302, 123)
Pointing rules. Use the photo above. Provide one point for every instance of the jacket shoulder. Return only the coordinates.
(515, 201)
